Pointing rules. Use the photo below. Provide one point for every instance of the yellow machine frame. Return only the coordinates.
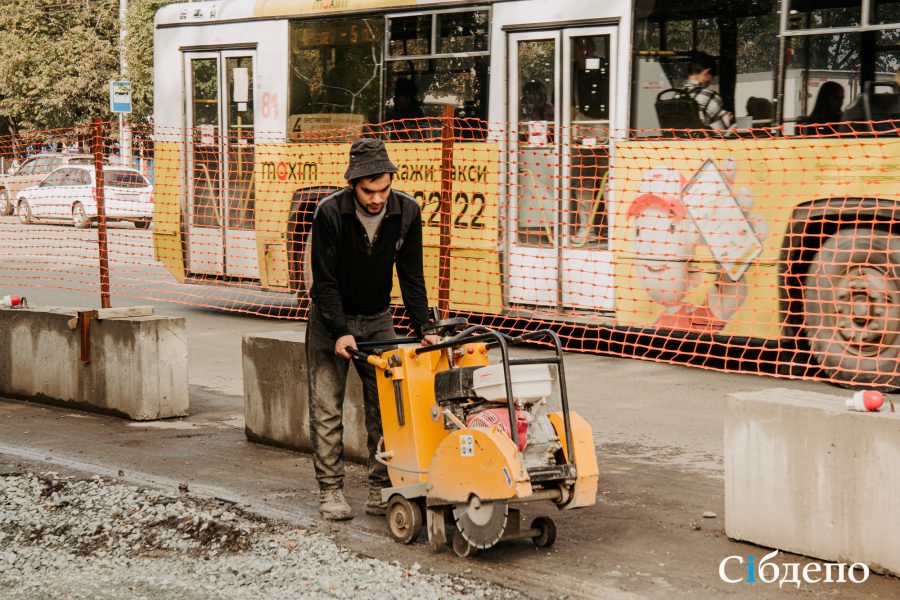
(436, 462)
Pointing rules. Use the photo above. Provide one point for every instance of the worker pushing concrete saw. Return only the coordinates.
(467, 440)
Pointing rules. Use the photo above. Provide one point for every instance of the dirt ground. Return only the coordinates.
(646, 537)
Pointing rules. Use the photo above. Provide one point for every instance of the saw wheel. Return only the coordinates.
(404, 519)
(481, 523)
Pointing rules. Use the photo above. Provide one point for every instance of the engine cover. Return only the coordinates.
(499, 417)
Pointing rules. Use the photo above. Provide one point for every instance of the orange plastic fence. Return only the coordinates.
(757, 251)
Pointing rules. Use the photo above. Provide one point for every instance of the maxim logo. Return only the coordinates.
(290, 171)
(330, 4)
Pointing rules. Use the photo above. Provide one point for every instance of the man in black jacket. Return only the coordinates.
(358, 235)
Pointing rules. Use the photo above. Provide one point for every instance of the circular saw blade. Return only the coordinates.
(481, 523)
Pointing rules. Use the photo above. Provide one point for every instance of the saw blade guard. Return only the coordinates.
(469, 462)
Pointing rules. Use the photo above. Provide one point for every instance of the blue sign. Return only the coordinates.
(120, 96)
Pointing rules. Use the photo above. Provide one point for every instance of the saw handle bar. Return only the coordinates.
(385, 365)
(372, 359)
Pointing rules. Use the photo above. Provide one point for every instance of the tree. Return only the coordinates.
(56, 61)
(139, 55)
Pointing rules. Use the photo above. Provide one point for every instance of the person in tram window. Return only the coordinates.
(534, 105)
(406, 112)
(827, 110)
(709, 102)
(760, 110)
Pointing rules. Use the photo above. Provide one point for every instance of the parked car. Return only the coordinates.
(33, 171)
(68, 194)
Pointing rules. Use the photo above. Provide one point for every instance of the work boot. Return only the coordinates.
(333, 506)
(374, 504)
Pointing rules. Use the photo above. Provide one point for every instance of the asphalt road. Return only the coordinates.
(658, 429)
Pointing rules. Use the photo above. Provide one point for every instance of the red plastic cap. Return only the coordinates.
(872, 400)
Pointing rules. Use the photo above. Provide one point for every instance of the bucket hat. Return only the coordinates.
(368, 157)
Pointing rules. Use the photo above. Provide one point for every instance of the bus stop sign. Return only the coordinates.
(120, 96)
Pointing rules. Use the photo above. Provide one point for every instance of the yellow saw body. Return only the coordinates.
(446, 474)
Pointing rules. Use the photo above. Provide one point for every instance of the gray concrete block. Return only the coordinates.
(276, 407)
(805, 475)
(138, 366)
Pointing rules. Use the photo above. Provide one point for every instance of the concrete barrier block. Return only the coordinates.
(805, 475)
(276, 407)
(137, 368)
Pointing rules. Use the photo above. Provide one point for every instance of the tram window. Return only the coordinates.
(754, 66)
(462, 32)
(741, 36)
(679, 35)
(454, 72)
(409, 36)
(700, 35)
(821, 14)
(461, 82)
(647, 36)
(854, 61)
(537, 160)
(335, 71)
(813, 60)
(807, 14)
(886, 11)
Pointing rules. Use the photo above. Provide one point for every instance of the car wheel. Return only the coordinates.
(23, 211)
(6, 205)
(79, 217)
(851, 307)
(142, 224)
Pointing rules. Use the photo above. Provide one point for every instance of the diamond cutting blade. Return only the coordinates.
(481, 523)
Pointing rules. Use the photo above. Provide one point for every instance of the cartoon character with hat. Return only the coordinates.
(666, 241)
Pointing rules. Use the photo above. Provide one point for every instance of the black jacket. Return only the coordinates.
(354, 277)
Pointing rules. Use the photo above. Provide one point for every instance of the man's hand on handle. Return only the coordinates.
(341, 345)
(348, 341)
(430, 340)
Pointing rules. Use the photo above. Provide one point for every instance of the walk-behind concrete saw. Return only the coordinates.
(467, 441)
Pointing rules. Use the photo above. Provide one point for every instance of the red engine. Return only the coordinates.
(500, 417)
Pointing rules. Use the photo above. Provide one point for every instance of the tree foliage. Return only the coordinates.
(56, 60)
(139, 55)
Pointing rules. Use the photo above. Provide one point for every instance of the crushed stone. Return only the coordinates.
(65, 537)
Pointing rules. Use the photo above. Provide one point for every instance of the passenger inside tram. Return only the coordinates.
(404, 115)
(826, 112)
(785, 62)
(760, 110)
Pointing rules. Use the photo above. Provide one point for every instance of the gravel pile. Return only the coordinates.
(62, 537)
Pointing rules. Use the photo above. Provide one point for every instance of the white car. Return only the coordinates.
(68, 194)
(31, 172)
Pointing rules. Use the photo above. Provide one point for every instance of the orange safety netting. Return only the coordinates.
(754, 250)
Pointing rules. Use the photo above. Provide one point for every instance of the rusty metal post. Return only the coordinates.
(97, 147)
(84, 328)
(446, 211)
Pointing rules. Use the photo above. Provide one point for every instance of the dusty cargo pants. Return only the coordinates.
(327, 383)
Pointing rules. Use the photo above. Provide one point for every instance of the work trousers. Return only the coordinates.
(327, 383)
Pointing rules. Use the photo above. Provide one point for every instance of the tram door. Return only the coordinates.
(560, 107)
(220, 197)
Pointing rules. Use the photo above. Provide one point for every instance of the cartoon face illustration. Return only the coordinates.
(664, 238)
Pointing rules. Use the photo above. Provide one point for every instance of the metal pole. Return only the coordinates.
(446, 210)
(101, 211)
(124, 131)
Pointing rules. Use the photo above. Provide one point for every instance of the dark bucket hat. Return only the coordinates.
(368, 157)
